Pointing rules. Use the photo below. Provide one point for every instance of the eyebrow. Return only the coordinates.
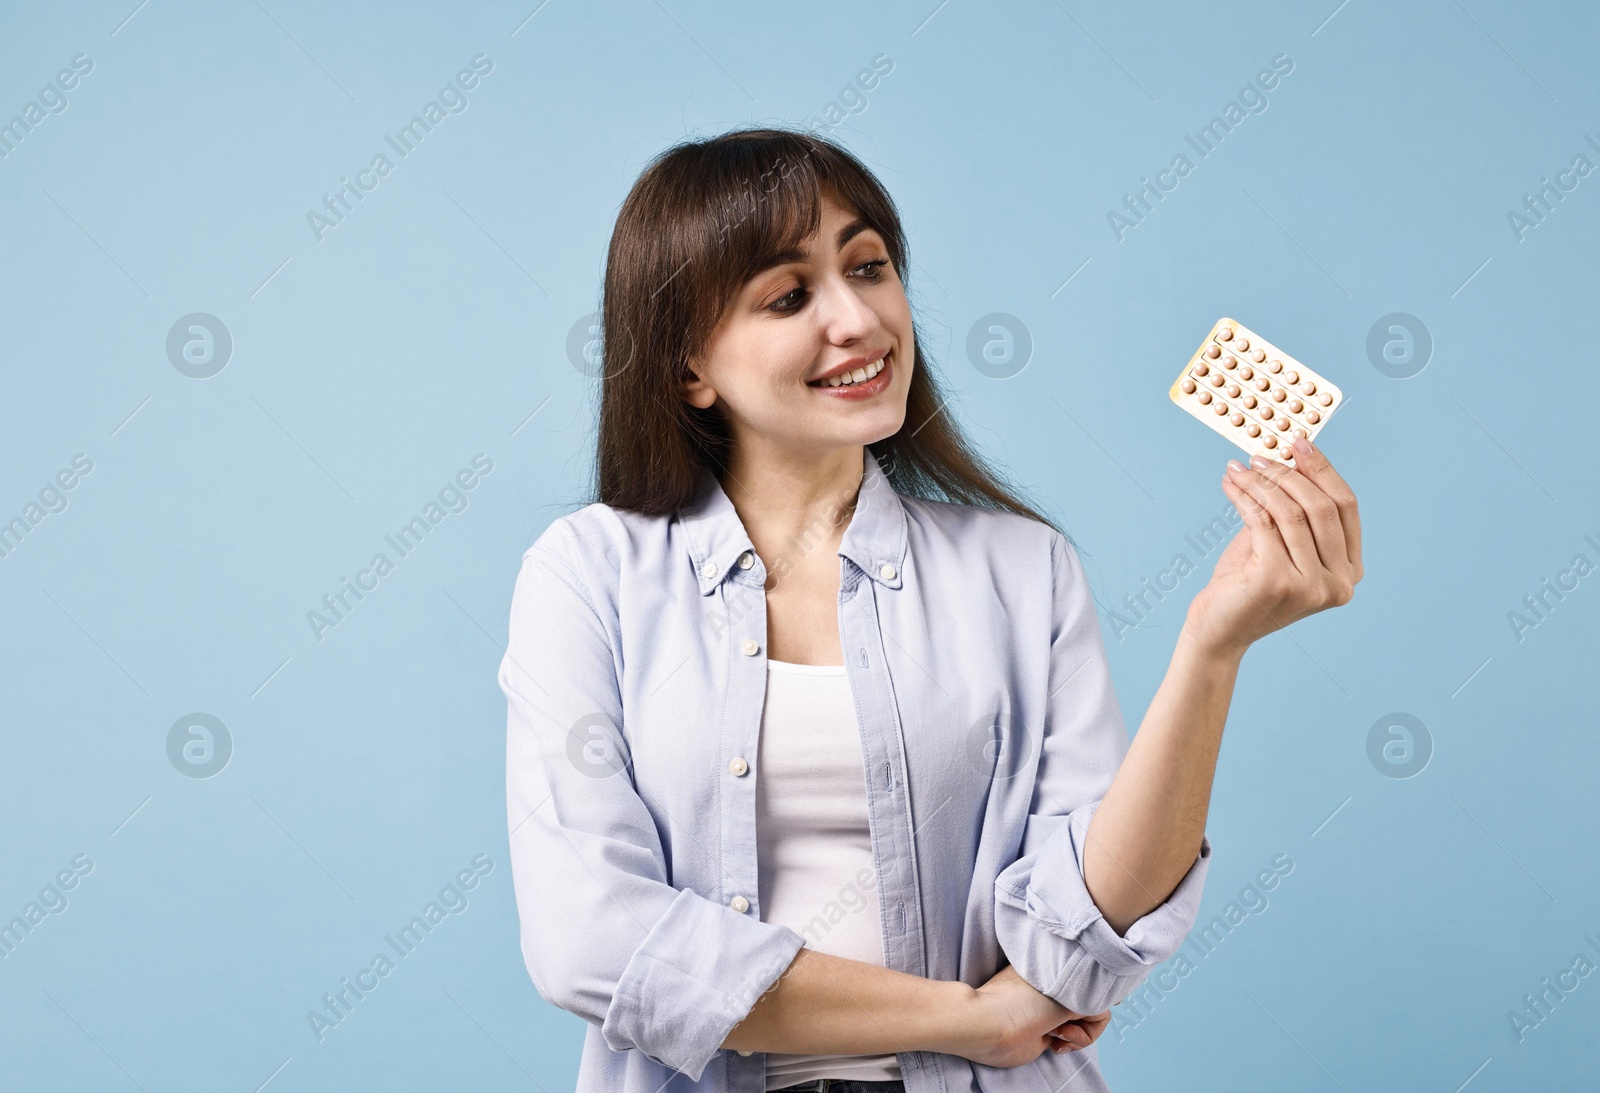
(846, 233)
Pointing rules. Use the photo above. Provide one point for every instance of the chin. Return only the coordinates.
(874, 431)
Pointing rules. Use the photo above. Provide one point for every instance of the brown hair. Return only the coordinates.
(703, 218)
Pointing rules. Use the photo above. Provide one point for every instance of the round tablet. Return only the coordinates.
(1261, 383)
(1233, 390)
(1241, 345)
(1291, 376)
(1325, 398)
(1249, 402)
(1295, 406)
(1270, 441)
(1216, 379)
(1202, 368)
(1220, 408)
(1266, 413)
(1253, 429)
(1213, 351)
(1258, 355)
(1187, 385)
(1246, 372)
(1301, 432)
(1236, 418)
(1313, 417)
(1274, 366)
(1283, 425)
(1204, 397)
(1278, 395)
(1308, 388)
(1231, 362)
(1224, 333)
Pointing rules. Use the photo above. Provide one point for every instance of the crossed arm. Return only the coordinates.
(1299, 553)
(1141, 841)
(587, 862)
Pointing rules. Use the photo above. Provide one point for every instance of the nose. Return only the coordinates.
(846, 317)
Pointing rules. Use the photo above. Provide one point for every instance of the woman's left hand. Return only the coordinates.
(1299, 551)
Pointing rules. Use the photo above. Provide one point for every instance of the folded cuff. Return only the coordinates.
(696, 975)
(1057, 939)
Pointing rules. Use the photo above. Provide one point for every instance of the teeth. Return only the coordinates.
(865, 373)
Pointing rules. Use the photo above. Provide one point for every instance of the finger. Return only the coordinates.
(1315, 466)
(1082, 1031)
(1264, 537)
(1070, 1033)
(1092, 1027)
(1316, 516)
(1293, 526)
(1327, 530)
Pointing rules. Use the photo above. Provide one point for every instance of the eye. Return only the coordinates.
(780, 307)
(791, 300)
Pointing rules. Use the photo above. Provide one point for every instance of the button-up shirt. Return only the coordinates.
(635, 675)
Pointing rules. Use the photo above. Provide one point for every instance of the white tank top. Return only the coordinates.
(813, 841)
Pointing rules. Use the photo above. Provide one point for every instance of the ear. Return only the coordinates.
(697, 392)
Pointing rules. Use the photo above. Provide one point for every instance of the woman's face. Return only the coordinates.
(774, 364)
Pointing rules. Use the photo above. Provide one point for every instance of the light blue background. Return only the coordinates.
(368, 767)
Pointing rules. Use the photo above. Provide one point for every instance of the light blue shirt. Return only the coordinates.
(635, 676)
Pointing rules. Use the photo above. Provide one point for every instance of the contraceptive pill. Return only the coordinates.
(1254, 393)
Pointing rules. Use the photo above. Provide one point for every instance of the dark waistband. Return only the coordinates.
(842, 1085)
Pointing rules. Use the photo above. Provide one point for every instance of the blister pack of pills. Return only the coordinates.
(1254, 393)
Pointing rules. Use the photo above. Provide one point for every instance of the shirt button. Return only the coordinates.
(744, 1053)
(749, 647)
(738, 766)
(740, 904)
(886, 571)
(746, 560)
(708, 570)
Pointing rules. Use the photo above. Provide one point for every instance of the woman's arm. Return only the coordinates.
(604, 932)
(1145, 834)
(1298, 553)
(829, 1005)
(826, 1004)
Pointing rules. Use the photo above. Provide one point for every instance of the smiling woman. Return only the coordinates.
(726, 219)
(774, 456)
(806, 635)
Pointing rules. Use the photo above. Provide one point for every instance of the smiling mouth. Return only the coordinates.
(860, 376)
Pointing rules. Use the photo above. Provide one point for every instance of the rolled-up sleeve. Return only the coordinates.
(604, 933)
(1045, 919)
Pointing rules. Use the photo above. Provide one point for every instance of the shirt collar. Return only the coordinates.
(875, 539)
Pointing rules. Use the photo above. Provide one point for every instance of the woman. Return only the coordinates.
(815, 774)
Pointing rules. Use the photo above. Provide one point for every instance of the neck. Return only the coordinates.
(788, 501)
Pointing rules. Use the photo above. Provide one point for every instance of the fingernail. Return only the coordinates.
(1302, 446)
(1259, 463)
(1235, 466)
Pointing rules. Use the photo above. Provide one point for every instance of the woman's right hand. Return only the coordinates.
(1015, 1023)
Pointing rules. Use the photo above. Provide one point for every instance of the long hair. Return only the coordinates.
(703, 218)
